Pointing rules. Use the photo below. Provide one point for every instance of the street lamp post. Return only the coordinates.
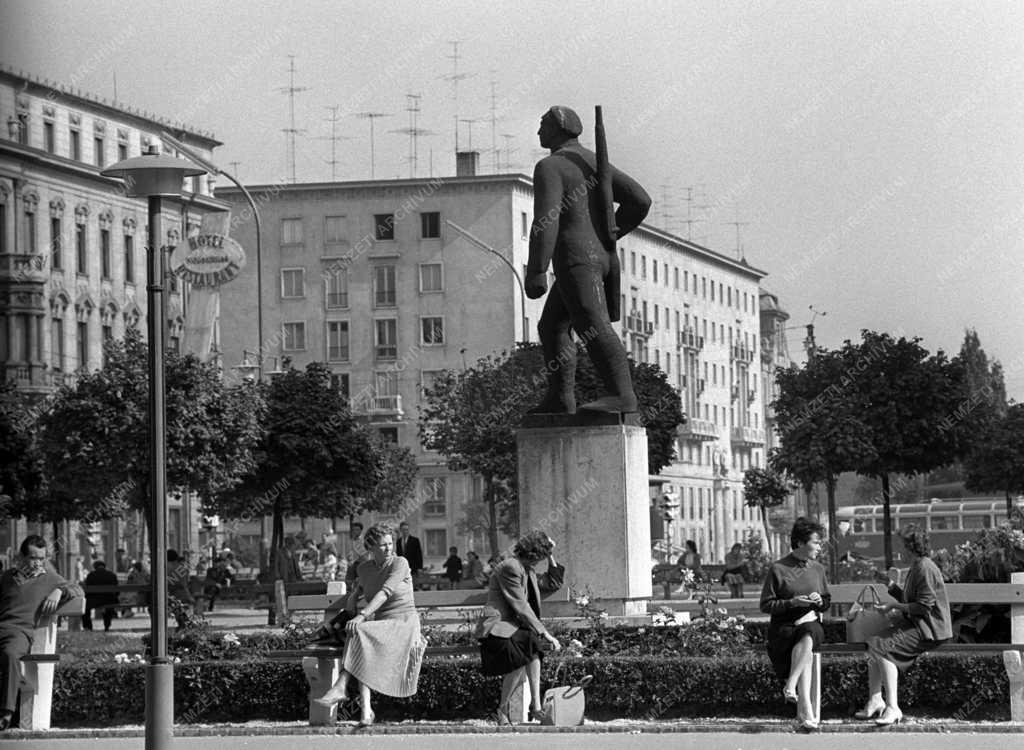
(484, 246)
(156, 177)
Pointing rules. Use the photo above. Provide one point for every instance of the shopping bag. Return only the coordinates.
(564, 705)
(866, 618)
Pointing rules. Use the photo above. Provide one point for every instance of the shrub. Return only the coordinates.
(961, 685)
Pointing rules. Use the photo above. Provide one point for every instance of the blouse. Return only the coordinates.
(394, 578)
(787, 579)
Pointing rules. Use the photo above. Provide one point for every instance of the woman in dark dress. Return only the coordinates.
(795, 592)
(510, 630)
(924, 624)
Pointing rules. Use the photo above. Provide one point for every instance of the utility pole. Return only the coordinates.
(371, 116)
(291, 89)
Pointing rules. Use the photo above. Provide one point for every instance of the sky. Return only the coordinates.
(872, 153)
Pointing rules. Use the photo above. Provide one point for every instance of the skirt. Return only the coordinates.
(385, 655)
(499, 656)
(901, 644)
(781, 640)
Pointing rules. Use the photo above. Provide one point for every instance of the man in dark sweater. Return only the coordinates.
(29, 591)
(105, 602)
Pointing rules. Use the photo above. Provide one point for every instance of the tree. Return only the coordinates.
(764, 488)
(997, 462)
(820, 433)
(471, 416)
(21, 469)
(311, 458)
(910, 402)
(94, 437)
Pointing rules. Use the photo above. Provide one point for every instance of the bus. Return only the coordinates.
(949, 523)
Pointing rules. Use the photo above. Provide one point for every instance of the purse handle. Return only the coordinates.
(876, 600)
(576, 687)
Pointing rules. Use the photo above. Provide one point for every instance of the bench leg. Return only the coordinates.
(36, 695)
(519, 701)
(1015, 673)
(816, 687)
(321, 674)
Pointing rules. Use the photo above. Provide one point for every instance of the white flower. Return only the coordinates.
(121, 658)
(176, 660)
(575, 643)
(231, 639)
(603, 615)
(583, 601)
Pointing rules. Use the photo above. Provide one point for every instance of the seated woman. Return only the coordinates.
(735, 568)
(383, 647)
(924, 624)
(794, 592)
(510, 629)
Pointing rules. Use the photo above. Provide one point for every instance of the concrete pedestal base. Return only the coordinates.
(586, 486)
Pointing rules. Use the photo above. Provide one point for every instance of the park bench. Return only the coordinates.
(36, 688)
(668, 576)
(959, 593)
(322, 665)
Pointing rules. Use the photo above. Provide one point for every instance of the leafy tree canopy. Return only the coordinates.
(21, 469)
(997, 462)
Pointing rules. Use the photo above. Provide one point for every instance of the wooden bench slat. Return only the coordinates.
(41, 657)
(958, 593)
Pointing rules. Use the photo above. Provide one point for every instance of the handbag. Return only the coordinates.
(866, 618)
(564, 705)
(332, 632)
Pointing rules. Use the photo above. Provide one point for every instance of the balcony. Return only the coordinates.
(741, 353)
(688, 339)
(747, 437)
(22, 267)
(637, 325)
(377, 406)
(698, 429)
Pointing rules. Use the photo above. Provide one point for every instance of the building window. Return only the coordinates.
(337, 340)
(524, 224)
(22, 126)
(3, 227)
(428, 379)
(122, 151)
(337, 289)
(384, 226)
(431, 279)
(665, 273)
(105, 253)
(436, 541)
(294, 337)
(57, 344)
(83, 346)
(340, 383)
(632, 263)
(386, 338)
(643, 266)
(654, 269)
(30, 230)
(291, 231)
(675, 277)
(75, 145)
(56, 244)
(430, 225)
(97, 151)
(432, 330)
(49, 137)
(384, 286)
(80, 248)
(435, 496)
(388, 435)
(335, 230)
(293, 283)
(129, 259)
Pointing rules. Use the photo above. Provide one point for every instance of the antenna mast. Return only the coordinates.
(455, 77)
(333, 138)
(371, 116)
(738, 224)
(291, 89)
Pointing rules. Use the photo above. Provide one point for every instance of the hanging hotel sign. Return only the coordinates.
(207, 260)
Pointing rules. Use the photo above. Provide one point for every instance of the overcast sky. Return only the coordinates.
(874, 151)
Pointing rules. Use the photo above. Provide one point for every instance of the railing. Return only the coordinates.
(747, 436)
(698, 429)
(688, 339)
(742, 353)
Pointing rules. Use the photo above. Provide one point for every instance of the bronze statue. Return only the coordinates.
(573, 230)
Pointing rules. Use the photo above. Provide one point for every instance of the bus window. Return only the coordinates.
(978, 522)
(859, 526)
(944, 523)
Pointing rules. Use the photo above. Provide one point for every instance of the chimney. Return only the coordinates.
(466, 163)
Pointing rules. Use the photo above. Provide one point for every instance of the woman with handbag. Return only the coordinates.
(383, 644)
(794, 593)
(923, 622)
(510, 629)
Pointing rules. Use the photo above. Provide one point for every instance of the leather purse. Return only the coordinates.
(564, 705)
(332, 632)
(866, 618)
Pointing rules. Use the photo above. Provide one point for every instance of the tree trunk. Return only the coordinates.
(58, 548)
(886, 521)
(767, 531)
(1009, 506)
(833, 558)
(492, 514)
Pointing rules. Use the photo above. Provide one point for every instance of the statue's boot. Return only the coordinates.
(610, 361)
(559, 398)
(560, 365)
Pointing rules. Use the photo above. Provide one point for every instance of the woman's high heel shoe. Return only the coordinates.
(889, 716)
(367, 721)
(538, 714)
(789, 695)
(870, 711)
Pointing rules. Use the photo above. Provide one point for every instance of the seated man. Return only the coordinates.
(31, 589)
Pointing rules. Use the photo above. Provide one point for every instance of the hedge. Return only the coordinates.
(949, 685)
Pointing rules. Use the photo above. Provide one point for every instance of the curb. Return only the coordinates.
(737, 727)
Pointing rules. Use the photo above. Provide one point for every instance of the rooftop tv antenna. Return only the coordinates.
(333, 138)
(689, 221)
(371, 116)
(469, 121)
(413, 131)
(508, 151)
(738, 224)
(291, 89)
(455, 77)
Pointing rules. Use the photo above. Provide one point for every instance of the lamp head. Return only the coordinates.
(152, 173)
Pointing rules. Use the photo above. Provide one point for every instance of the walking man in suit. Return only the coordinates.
(409, 547)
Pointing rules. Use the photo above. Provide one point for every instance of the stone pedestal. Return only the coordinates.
(583, 480)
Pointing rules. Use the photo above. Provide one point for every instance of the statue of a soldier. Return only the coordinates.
(573, 230)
